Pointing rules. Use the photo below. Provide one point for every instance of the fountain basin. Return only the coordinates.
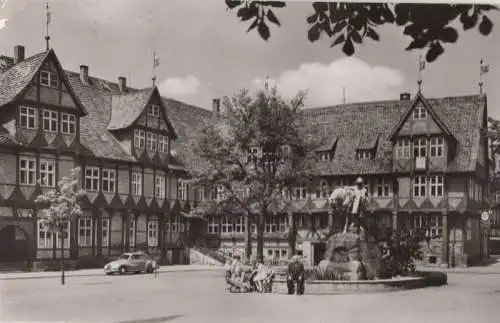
(326, 287)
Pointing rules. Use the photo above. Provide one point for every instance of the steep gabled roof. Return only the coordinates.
(351, 122)
(14, 80)
(127, 107)
(420, 98)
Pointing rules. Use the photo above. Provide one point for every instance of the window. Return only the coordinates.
(220, 193)
(47, 173)
(419, 113)
(152, 141)
(420, 147)
(153, 233)
(182, 190)
(300, 192)
(105, 232)
(160, 187)
(201, 193)
(48, 79)
(227, 225)
(68, 122)
(131, 232)
(468, 229)
(419, 183)
(403, 148)
(383, 187)
(213, 225)
(437, 146)
(66, 233)
(108, 180)
(139, 139)
(92, 179)
(27, 171)
(272, 224)
(162, 144)
(44, 237)
(49, 120)
(239, 226)
(254, 154)
(323, 189)
(136, 183)
(27, 118)
(175, 226)
(85, 232)
(363, 154)
(154, 111)
(436, 186)
(283, 223)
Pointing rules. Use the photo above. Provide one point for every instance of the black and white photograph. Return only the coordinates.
(249, 161)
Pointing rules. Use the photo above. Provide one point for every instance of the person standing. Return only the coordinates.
(296, 276)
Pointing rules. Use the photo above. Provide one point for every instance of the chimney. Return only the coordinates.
(122, 84)
(405, 96)
(216, 107)
(84, 74)
(18, 54)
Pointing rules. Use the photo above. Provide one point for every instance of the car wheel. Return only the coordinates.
(122, 270)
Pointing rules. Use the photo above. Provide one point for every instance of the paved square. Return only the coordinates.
(202, 297)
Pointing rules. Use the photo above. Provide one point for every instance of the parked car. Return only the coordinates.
(131, 262)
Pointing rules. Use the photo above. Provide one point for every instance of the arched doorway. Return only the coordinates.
(13, 244)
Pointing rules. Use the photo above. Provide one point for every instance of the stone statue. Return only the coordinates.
(350, 201)
(360, 253)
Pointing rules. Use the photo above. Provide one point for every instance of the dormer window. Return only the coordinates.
(325, 156)
(437, 146)
(364, 154)
(154, 111)
(419, 113)
(49, 79)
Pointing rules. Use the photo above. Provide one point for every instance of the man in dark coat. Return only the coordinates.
(296, 273)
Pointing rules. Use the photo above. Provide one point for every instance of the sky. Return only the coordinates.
(205, 52)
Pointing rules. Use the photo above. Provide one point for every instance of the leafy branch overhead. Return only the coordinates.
(350, 24)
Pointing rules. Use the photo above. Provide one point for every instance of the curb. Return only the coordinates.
(20, 277)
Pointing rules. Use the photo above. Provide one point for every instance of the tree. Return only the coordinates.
(61, 205)
(428, 25)
(261, 147)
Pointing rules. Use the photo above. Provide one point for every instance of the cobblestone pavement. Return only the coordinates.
(201, 296)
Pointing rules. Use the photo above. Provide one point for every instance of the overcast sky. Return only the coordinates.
(205, 51)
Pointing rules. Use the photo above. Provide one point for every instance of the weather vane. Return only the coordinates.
(156, 63)
(421, 67)
(483, 69)
(48, 16)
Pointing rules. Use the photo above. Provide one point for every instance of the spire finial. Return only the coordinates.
(421, 67)
(266, 84)
(156, 63)
(483, 69)
(343, 95)
(48, 19)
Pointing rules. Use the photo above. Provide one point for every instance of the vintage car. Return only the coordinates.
(131, 262)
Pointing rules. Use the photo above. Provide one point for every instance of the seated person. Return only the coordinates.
(261, 275)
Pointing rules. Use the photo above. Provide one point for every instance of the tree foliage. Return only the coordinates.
(60, 206)
(258, 149)
(350, 24)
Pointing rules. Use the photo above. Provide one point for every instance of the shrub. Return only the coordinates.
(399, 249)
